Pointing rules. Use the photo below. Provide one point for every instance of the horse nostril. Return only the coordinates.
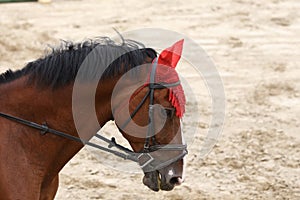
(176, 181)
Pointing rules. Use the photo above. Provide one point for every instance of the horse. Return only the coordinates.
(38, 132)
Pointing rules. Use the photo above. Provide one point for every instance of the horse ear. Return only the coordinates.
(171, 55)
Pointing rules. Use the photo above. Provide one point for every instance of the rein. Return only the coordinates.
(127, 155)
(146, 161)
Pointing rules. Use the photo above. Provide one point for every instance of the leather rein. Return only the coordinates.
(146, 161)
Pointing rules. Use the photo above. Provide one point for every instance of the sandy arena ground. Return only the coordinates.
(256, 48)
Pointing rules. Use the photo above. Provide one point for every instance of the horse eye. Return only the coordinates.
(168, 112)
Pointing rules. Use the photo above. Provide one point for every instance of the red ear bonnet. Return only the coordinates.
(165, 73)
(171, 56)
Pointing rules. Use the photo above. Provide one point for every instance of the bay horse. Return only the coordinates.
(38, 134)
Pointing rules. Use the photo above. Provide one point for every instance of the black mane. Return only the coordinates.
(60, 66)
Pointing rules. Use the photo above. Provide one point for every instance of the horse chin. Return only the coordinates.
(155, 181)
(152, 180)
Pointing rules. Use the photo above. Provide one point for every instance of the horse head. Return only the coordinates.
(151, 119)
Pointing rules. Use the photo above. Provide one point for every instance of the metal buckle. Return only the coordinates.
(45, 128)
(142, 158)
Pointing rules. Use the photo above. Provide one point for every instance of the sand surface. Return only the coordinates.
(256, 48)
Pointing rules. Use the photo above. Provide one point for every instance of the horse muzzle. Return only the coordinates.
(164, 179)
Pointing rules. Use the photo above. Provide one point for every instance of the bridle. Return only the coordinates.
(145, 158)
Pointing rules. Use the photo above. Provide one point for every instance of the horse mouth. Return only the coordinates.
(156, 181)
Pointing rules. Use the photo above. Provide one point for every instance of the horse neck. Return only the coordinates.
(54, 107)
(37, 104)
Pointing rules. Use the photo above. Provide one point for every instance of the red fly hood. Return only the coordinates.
(165, 73)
